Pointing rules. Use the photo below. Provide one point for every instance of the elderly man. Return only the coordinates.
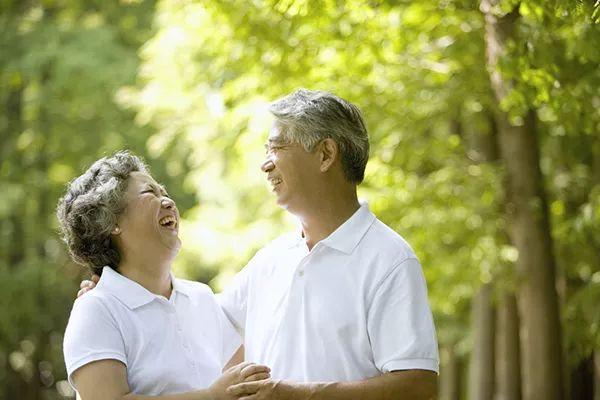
(339, 309)
(343, 301)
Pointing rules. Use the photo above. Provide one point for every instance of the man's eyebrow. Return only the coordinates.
(277, 140)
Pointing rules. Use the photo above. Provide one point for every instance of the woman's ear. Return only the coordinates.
(116, 230)
(329, 152)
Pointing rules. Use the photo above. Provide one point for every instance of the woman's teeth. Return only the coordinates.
(168, 221)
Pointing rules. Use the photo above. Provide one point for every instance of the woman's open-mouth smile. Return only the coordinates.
(168, 222)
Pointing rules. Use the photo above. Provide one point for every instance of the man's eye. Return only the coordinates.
(273, 149)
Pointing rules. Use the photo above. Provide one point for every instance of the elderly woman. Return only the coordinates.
(141, 331)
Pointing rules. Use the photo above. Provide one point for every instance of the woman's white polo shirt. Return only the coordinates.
(168, 345)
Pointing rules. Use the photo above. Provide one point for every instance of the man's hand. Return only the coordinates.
(245, 372)
(268, 389)
(88, 285)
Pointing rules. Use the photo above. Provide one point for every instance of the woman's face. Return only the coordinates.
(149, 224)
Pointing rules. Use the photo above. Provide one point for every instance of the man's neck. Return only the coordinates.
(322, 220)
(155, 276)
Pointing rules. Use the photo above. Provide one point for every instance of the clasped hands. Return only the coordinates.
(246, 381)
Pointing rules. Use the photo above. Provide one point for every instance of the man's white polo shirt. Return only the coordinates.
(353, 307)
(169, 346)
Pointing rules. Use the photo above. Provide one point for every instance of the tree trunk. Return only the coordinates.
(597, 375)
(529, 229)
(582, 380)
(481, 368)
(449, 374)
(508, 367)
(14, 251)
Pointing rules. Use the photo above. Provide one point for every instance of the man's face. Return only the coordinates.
(292, 171)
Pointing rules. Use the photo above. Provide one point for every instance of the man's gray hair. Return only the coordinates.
(88, 212)
(307, 117)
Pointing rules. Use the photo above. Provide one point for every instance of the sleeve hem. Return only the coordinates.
(231, 350)
(230, 316)
(429, 364)
(91, 358)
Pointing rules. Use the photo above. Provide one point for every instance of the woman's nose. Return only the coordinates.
(167, 203)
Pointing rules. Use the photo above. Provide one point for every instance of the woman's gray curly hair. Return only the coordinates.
(88, 212)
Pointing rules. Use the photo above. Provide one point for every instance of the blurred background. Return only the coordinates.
(485, 126)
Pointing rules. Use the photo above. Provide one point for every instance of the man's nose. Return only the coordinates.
(267, 165)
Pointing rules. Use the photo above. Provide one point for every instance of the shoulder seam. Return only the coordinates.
(385, 278)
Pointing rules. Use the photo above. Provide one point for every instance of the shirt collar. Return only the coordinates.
(180, 287)
(347, 236)
(131, 293)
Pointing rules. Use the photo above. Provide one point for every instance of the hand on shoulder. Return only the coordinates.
(87, 285)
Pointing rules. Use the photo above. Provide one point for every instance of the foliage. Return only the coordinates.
(186, 84)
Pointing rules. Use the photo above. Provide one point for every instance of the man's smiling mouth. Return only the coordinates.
(275, 181)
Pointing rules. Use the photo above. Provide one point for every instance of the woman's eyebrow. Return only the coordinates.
(155, 187)
(162, 188)
(152, 186)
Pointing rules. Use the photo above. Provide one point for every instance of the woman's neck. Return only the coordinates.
(154, 276)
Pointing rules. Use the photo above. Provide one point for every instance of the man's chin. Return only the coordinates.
(281, 201)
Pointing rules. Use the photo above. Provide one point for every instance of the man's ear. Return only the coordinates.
(329, 152)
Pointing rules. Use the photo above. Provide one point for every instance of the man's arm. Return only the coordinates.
(397, 385)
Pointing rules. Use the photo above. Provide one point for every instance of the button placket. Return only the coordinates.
(185, 343)
(301, 268)
(298, 275)
(297, 284)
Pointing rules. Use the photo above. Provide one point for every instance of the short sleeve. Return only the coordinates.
(234, 299)
(400, 323)
(92, 334)
(231, 338)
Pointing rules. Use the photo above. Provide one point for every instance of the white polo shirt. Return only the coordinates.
(353, 307)
(169, 346)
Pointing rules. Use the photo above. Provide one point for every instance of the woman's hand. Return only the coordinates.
(244, 372)
(86, 285)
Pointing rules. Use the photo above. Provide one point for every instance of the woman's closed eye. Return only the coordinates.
(156, 192)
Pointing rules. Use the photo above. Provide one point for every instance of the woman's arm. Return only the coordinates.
(107, 380)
